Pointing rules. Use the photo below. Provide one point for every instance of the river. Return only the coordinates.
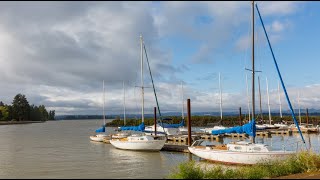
(62, 149)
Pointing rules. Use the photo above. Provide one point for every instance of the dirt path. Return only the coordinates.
(312, 175)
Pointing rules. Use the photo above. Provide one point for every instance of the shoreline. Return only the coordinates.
(19, 122)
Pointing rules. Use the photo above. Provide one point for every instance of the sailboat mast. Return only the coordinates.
(299, 107)
(142, 88)
(220, 96)
(268, 101)
(260, 100)
(182, 113)
(124, 104)
(279, 99)
(253, 95)
(104, 118)
(249, 113)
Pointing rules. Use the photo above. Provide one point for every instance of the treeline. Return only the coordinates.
(81, 117)
(20, 110)
(208, 121)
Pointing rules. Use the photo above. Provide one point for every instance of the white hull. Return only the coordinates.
(230, 157)
(241, 152)
(282, 126)
(99, 137)
(154, 145)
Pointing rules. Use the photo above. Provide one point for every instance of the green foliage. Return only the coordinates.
(21, 107)
(4, 113)
(305, 161)
(21, 110)
(51, 115)
(188, 171)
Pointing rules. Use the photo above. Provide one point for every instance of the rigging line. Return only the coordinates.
(284, 88)
(154, 90)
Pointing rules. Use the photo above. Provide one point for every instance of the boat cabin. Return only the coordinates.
(243, 146)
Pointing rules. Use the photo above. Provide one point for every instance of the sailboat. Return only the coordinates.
(163, 129)
(282, 124)
(270, 125)
(244, 152)
(101, 136)
(139, 142)
(170, 128)
(218, 127)
(182, 129)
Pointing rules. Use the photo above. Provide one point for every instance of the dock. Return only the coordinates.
(175, 147)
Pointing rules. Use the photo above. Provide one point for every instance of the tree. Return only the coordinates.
(4, 113)
(51, 115)
(43, 112)
(35, 114)
(20, 107)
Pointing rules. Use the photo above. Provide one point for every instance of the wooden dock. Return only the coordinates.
(212, 137)
(282, 132)
(236, 135)
(182, 138)
(175, 147)
(263, 133)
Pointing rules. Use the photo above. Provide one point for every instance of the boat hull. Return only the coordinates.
(99, 137)
(154, 145)
(230, 157)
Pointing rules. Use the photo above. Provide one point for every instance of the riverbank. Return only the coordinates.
(19, 122)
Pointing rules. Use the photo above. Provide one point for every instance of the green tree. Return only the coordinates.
(20, 107)
(44, 113)
(4, 113)
(51, 115)
(35, 114)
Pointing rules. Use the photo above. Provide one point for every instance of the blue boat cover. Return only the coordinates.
(166, 125)
(133, 128)
(249, 128)
(101, 129)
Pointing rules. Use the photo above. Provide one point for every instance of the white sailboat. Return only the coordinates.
(217, 127)
(241, 152)
(140, 142)
(183, 129)
(282, 125)
(101, 135)
(270, 125)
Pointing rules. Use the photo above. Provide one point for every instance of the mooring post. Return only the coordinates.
(240, 118)
(307, 114)
(155, 121)
(189, 122)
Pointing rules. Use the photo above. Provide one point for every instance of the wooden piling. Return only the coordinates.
(307, 114)
(189, 122)
(240, 117)
(155, 121)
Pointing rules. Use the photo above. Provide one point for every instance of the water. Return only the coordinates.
(62, 149)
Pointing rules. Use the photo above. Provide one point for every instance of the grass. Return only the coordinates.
(304, 161)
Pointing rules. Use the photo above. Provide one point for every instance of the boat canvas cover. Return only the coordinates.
(166, 125)
(249, 128)
(101, 129)
(133, 128)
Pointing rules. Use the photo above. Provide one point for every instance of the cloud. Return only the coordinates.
(58, 53)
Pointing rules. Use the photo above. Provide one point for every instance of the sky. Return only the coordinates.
(59, 53)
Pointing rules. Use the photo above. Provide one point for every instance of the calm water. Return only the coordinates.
(62, 149)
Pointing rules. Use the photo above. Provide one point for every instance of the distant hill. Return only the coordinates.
(312, 112)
